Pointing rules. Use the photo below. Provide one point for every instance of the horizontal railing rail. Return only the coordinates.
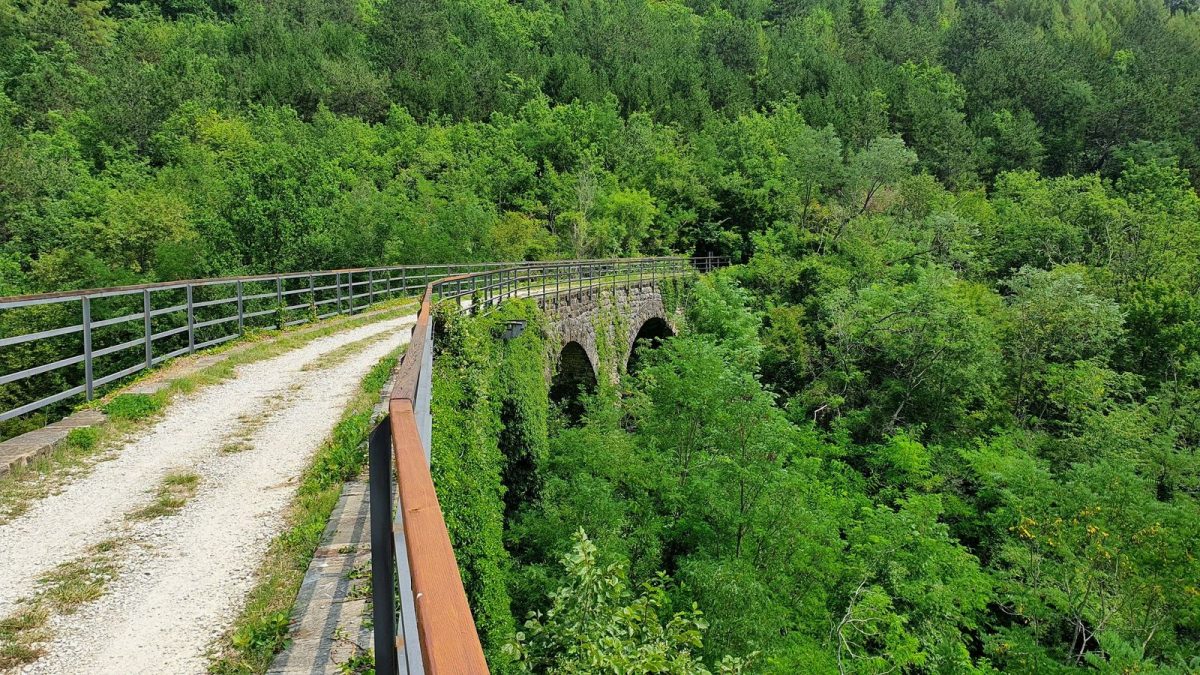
(55, 347)
(413, 562)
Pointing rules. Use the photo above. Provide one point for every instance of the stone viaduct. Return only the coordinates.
(597, 332)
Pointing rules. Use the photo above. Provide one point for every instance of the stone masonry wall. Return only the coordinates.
(617, 313)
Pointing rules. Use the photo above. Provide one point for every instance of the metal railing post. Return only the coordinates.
(383, 582)
(146, 327)
(279, 302)
(312, 294)
(387, 285)
(87, 346)
(337, 284)
(191, 319)
(350, 291)
(403, 279)
(241, 314)
(370, 287)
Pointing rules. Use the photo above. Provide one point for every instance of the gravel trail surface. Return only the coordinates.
(186, 575)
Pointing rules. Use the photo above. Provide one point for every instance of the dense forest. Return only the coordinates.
(943, 415)
(179, 138)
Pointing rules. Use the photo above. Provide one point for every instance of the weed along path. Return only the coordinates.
(175, 525)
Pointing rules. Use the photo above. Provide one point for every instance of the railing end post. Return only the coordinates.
(383, 582)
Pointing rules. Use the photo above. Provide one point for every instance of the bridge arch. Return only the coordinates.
(649, 335)
(574, 377)
(607, 324)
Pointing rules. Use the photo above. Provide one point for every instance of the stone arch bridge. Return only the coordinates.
(596, 333)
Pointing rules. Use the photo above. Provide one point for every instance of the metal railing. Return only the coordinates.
(74, 343)
(412, 559)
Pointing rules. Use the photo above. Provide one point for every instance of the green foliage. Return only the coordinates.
(1091, 558)
(262, 636)
(595, 624)
(990, 493)
(134, 406)
(1059, 329)
(181, 138)
(925, 351)
(83, 438)
(490, 410)
(944, 418)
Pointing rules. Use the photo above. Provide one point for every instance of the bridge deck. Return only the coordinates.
(178, 580)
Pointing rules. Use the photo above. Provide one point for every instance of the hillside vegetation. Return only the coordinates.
(943, 415)
(179, 138)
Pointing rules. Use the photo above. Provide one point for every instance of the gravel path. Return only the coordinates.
(185, 578)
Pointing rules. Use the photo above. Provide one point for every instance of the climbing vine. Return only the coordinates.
(491, 410)
(490, 406)
(672, 290)
(609, 326)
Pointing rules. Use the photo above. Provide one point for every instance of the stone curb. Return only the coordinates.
(22, 450)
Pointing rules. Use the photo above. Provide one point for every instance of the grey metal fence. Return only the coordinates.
(56, 347)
